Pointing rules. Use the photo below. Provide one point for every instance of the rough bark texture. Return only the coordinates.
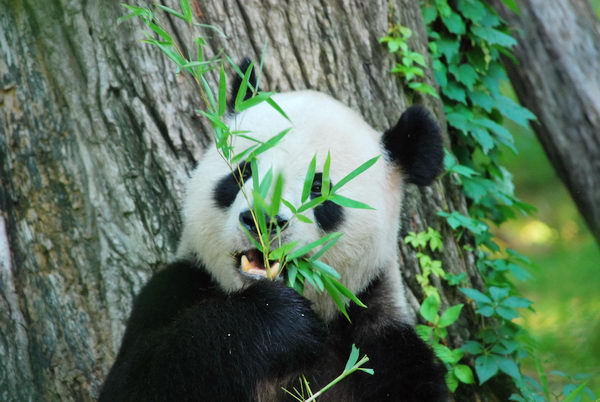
(97, 135)
(558, 78)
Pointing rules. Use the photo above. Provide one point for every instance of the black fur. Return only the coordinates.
(405, 367)
(329, 215)
(415, 144)
(188, 341)
(227, 188)
(237, 81)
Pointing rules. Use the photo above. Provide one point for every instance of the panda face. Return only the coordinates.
(215, 206)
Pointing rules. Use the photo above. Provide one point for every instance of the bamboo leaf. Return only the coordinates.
(335, 237)
(222, 92)
(186, 10)
(308, 180)
(352, 359)
(305, 249)
(241, 94)
(325, 178)
(354, 173)
(346, 292)
(171, 11)
(347, 202)
(271, 142)
(276, 198)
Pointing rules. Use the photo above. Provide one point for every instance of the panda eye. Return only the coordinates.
(317, 185)
(245, 170)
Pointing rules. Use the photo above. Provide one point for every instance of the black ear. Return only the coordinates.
(415, 144)
(237, 82)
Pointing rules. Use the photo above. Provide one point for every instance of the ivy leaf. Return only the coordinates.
(494, 36)
(443, 7)
(477, 187)
(460, 119)
(454, 280)
(482, 99)
(423, 88)
(439, 71)
(516, 302)
(472, 347)
(508, 366)
(495, 74)
(429, 308)
(486, 311)
(450, 315)
(451, 381)
(456, 219)
(498, 293)
(503, 135)
(447, 355)
(506, 313)
(425, 332)
(473, 10)
(455, 92)
(454, 23)
(466, 75)
(464, 373)
(449, 48)
(483, 137)
(513, 111)
(476, 295)
(429, 14)
(486, 367)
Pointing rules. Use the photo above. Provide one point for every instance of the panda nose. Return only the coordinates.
(248, 222)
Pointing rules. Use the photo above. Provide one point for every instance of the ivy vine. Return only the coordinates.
(467, 39)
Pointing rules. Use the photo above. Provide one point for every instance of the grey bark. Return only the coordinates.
(97, 136)
(558, 78)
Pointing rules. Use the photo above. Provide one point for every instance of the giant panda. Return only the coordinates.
(203, 329)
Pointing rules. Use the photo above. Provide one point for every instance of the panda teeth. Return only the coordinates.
(246, 265)
(274, 269)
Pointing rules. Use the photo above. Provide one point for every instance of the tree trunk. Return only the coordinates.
(558, 78)
(98, 135)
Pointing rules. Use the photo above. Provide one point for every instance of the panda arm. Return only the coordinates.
(405, 367)
(186, 341)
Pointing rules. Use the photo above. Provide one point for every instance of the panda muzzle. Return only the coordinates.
(252, 263)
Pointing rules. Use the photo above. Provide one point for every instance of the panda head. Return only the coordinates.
(215, 209)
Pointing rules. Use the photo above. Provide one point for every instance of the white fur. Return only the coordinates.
(319, 124)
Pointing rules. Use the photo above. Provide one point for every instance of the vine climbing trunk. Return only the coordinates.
(97, 135)
(558, 78)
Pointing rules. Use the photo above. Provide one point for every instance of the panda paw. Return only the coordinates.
(293, 328)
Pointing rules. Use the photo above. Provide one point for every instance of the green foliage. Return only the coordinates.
(435, 332)
(466, 40)
(411, 64)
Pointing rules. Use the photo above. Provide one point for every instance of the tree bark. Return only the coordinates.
(98, 135)
(558, 78)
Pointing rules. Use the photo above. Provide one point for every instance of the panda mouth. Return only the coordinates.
(252, 263)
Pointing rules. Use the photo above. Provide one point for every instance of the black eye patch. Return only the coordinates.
(328, 215)
(227, 188)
